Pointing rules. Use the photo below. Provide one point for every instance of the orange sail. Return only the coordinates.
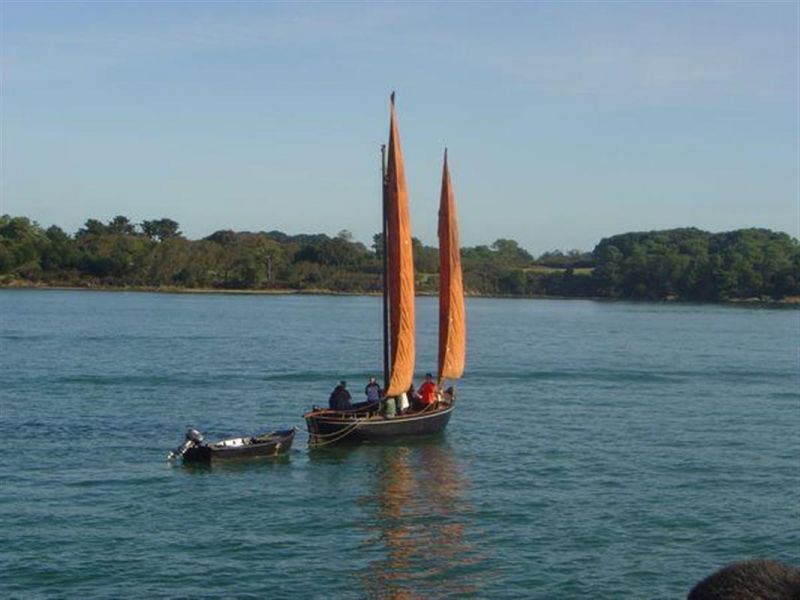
(400, 268)
(452, 317)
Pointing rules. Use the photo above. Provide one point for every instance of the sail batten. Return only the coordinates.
(452, 316)
(400, 268)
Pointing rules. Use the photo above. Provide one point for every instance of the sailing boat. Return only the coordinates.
(370, 422)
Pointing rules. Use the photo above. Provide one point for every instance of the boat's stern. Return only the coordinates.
(192, 439)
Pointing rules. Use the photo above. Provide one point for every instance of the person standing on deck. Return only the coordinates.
(428, 391)
(340, 397)
(373, 390)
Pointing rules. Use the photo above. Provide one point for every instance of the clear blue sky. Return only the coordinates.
(566, 121)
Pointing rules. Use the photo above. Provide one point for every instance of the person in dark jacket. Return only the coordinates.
(340, 397)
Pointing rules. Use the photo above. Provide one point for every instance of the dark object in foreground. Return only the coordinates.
(750, 580)
(266, 444)
(366, 424)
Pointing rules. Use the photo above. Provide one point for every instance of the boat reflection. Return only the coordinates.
(417, 518)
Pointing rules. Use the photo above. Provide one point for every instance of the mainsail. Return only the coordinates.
(400, 267)
(452, 319)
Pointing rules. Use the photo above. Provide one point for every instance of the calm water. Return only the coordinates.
(600, 450)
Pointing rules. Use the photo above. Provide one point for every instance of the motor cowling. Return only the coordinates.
(192, 435)
(192, 438)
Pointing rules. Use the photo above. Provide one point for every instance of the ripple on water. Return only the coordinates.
(599, 450)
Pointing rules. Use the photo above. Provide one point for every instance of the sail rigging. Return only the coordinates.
(452, 316)
(400, 267)
(375, 421)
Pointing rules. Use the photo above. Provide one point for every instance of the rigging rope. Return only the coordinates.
(341, 434)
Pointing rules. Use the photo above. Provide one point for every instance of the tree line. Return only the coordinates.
(684, 264)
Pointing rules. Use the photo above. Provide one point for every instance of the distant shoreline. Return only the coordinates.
(753, 266)
(790, 301)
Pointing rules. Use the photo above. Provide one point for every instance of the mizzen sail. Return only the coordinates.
(452, 317)
(400, 266)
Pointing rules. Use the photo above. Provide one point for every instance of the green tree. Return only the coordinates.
(60, 253)
(92, 227)
(509, 253)
(161, 229)
(22, 242)
(121, 225)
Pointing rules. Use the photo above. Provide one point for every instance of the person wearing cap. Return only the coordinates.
(373, 390)
(340, 397)
(428, 391)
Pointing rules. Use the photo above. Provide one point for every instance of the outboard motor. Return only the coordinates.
(193, 438)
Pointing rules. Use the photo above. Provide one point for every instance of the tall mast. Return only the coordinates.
(400, 266)
(386, 365)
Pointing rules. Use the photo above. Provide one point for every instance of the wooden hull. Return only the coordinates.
(327, 427)
(278, 442)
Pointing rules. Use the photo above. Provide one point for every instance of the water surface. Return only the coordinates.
(599, 450)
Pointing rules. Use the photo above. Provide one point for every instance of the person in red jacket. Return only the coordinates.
(427, 391)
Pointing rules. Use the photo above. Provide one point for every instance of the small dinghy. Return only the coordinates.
(194, 449)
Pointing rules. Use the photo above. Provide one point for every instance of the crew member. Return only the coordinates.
(340, 397)
(428, 391)
(373, 390)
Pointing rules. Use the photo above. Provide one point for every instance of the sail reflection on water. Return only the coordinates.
(418, 518)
